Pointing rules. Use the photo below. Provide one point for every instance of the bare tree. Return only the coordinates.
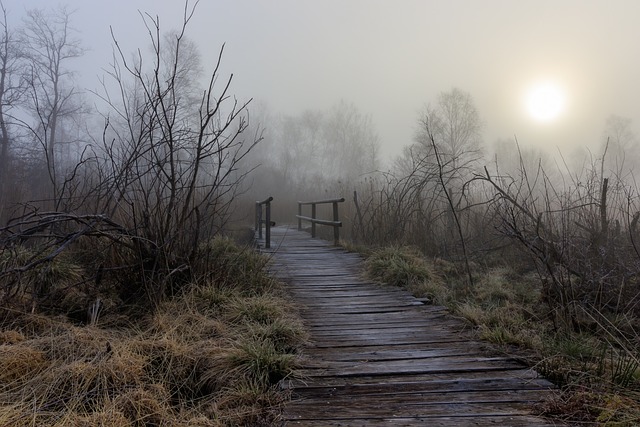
(454, 123)
(619, 152)
(49, 45)
(351, 144)
(448, 142)
(11, 91)
(299, 145)
(426, 200)
(447, 149)
(170, 168)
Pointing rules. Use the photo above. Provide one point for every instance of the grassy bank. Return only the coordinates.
(210, 355)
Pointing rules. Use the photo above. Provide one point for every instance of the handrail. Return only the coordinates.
(267, 221)
(320, 202)
(336, 223)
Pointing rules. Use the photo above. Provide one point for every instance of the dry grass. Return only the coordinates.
(211, 356)
(20, 361)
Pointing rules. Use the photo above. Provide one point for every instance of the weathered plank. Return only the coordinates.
(378, 356)
(498, 420)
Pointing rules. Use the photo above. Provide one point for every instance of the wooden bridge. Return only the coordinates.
(378, 356)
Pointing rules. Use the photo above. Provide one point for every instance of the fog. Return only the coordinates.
(390, 59)
(482, 154)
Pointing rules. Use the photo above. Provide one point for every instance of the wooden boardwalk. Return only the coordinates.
(378, 356)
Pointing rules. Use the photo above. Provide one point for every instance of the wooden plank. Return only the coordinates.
(413, 367)
(353, 354)
(378, 356)
(429, 402)
(524, 376)
(474, 420)
(316, 410)
(398, 389)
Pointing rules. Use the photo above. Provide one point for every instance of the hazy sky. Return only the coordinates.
(391, 58)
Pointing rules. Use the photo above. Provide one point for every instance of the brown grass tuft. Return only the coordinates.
(172, 363)
(20, 362)
(180, 322)
(35, 325)
(108, 417)
(11, 337)
(259, 309)
(87, 382)
(145, 406)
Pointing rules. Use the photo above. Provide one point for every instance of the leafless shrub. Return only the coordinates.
(582, 236)
(161, 179)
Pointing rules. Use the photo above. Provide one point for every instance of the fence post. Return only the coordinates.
(267, 240)
(259, 221)
(313, 216)
(266, 221)
(299, 215)
(336, 230)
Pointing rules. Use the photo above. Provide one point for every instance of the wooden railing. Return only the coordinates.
(335, 223)
(267, 220)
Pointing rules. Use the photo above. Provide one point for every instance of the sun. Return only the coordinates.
(545, 101)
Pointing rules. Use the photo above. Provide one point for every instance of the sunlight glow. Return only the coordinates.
(545, 101)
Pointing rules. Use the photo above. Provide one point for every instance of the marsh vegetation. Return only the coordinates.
(123, 302)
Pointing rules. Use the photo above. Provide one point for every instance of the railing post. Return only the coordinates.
(266, 221)
(267, 240)
(313, 216)
(336, 230)
(299, 215)
(259, 214)
(255, 218)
